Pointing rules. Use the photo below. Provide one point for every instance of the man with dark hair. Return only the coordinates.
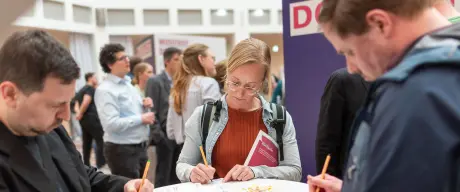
(37, 82)
(89, 121)
(342, 98)
(133, 61)
(124, 115)
(407, 136)
(158, 88)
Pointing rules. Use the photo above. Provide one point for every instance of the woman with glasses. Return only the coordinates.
(193, 86)
(243, 114)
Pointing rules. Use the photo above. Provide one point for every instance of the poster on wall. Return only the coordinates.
(303, 17)
(217, 45)
(145, 50)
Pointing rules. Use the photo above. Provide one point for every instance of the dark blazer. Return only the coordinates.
(342, 98)
(158, 89)
(19, 171)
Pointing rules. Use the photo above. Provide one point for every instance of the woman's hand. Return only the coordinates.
(239, 173)
(328, 184)
(202, 174)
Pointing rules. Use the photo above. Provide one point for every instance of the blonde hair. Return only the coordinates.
(250, 51)
(190, 66)
(138, 70)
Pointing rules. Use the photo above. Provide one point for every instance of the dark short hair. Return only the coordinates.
(170, 52)
(349, 16)
(133, 61)
(88, 76)
(107, 55)
(27, 58)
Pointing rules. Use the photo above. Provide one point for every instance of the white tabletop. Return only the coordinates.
(218, 186)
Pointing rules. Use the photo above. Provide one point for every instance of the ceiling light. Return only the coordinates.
(221, 12)
(275, 48)
(258, 13)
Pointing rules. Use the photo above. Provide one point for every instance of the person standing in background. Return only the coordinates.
(142, 72)
(342, 98)
(123, 116)
(158, 88)
(89, 121)
(277, 95)
(193, 86)
(221, 72)
(133, 61)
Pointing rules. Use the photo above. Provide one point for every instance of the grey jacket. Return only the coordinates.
(289, 169)
(201, 90)
(158, 89)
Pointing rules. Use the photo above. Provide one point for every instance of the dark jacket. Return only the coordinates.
(158, 89)
(20, 172)
(408, 135)
(343, 96)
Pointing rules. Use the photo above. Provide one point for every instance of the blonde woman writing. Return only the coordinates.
(243, 114)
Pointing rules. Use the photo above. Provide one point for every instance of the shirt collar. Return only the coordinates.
(117, 79)
(167, 75)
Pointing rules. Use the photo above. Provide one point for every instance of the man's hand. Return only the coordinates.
(328, 184)
(239, 173)
(202, 174)
(133, 186)
(148, 118)
(147, 102)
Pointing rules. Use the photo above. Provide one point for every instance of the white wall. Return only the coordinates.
(277, 57)
(61, 36)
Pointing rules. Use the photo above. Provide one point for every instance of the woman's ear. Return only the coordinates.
(200, 59)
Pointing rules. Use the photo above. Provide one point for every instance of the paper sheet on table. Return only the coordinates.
(217, 181)
(191, 187)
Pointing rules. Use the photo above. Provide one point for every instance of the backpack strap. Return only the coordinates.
(206, 121)
(278, 123)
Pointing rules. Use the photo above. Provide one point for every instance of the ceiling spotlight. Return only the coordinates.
(275, 48)
(258, 13)
(221, 12)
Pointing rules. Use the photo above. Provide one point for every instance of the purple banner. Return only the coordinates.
(309, 60)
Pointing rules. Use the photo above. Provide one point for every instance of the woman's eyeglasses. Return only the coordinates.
(250, 88)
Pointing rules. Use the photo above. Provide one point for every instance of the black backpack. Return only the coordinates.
(278, 122)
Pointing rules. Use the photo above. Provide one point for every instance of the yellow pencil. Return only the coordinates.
(146, 170)
(323, 173)
(204, 156)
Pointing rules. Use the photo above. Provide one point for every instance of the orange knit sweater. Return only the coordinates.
(236, 140)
